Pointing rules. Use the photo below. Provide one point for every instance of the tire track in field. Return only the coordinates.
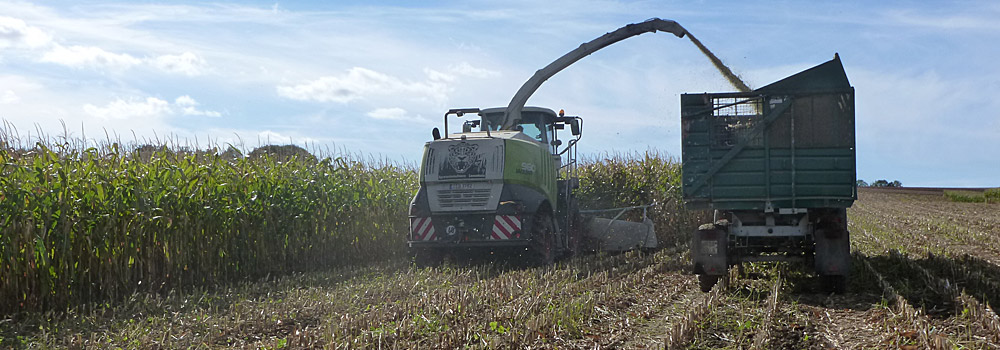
(660, 294)
(751, 309)
(809, 317)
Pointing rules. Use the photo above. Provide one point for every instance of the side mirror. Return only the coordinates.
(436, 134)
(574, 126)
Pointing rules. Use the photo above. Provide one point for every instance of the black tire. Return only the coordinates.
(706, 282)
(836, 284)
(543, 239)
(574, 231)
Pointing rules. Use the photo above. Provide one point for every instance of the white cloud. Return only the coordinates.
(8, 97)
(186, 63)
(467, 69)
(325, 89)
(89, 57)
(77, 56)
(976, 19)
(151, 107)
(398, 114)
(16, 33)
(437, 76)
(188, 106)
(394, 113)
(360, 83)
(269, 137)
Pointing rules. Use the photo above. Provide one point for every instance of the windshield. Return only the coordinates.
(535, 130)
(493, 122)
(529, 125)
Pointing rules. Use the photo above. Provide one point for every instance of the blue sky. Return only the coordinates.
(368, 77)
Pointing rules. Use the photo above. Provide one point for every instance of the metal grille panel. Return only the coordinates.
(463, 198)
(734, 119)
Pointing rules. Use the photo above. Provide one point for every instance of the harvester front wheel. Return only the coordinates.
(574, 234)
(543, 233)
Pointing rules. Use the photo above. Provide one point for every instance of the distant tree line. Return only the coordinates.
(281, 153)
(880, 183)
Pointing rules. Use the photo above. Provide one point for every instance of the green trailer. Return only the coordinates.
(777, 164)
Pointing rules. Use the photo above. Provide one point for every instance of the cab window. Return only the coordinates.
(535, 130)
(529, 125)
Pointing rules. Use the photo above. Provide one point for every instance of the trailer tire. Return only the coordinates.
(836, 284)
(706, 282)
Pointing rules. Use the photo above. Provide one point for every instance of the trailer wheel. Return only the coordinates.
(706, 282)
(544, 239)
(836, 284)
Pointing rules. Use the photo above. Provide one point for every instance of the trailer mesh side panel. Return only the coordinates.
(733, 120)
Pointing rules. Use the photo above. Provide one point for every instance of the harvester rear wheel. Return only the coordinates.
(543, 233)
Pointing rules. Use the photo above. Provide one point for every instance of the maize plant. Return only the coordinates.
(81, 225)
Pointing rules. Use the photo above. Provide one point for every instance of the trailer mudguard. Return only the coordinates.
(833, 245)
(708, 250)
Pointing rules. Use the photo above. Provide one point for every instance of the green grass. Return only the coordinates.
(965, 196)
(992, 195)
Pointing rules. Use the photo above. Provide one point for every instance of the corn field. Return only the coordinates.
(79, 225)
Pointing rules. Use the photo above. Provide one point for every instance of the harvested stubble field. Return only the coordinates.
(926, 274)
